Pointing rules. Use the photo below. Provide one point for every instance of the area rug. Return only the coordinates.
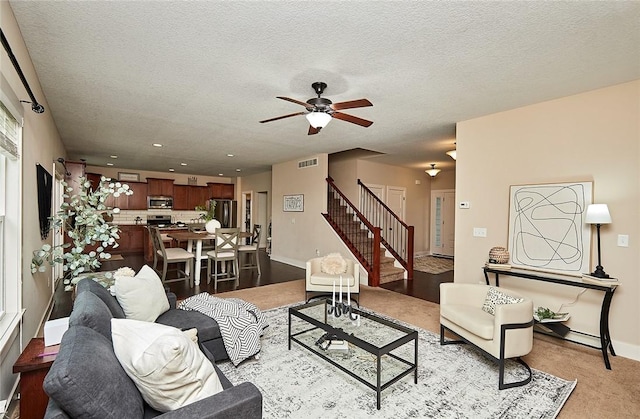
(432, 264)
(454, 381)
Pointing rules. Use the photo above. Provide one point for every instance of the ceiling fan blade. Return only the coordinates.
(282, 117)
(288, 99)
(360, 103)
(313, 130)
(352, 119)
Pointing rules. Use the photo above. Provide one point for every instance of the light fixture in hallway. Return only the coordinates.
(433, 171)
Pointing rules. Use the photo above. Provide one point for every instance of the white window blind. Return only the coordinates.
(9, 129)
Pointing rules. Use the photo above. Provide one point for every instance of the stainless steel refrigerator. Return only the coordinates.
(226, 212)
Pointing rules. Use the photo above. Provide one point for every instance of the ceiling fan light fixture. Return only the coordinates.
(452, 154)
(318, 119)
(433, 171)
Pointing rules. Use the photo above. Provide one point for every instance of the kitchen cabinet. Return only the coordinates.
(94, 178)
(221, 190)
(131, 239)
(188, 197)
(181, 197)
(159, 187)
(137, 201)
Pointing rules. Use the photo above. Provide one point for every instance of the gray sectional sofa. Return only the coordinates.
(86, 379)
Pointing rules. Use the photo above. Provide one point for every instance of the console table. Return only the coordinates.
(606, 287)
(33, 365)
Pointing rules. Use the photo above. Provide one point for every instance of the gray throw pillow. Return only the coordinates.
(86, 379)
(91, 311)
(88, 284)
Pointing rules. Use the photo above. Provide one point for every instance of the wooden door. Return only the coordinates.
(160, 187)
(137, 201)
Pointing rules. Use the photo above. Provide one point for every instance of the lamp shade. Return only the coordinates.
(598, 214)
(318, 119)
(452, 154)
(433, 171)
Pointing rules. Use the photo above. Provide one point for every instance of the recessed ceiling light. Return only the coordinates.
(157, 145)
(220, 174)
(172, 170)
(229, 155)
(237, 170)
(183, 164)
(109, 164)
(114, 156)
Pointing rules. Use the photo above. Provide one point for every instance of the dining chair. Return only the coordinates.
(170, 255)
(251, 250)
(226, 250)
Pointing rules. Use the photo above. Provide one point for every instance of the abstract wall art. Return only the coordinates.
(546, 227)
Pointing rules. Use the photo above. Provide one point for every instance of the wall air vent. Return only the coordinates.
(308, 163)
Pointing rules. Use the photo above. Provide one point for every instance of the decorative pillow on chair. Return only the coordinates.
(333, 264)
(142, 297)
(496, 297)
(164, 363)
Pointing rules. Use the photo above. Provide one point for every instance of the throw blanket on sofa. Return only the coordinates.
(241, 323)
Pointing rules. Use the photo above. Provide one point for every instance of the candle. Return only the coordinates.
(340, 289)
(333, 304)
(348, 293)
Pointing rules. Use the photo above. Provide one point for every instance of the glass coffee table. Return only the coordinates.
(374, 351)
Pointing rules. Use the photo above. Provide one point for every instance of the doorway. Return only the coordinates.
(262, 217)
(247, 213)
(443, 222)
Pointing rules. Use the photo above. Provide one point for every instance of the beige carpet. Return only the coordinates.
(432, 265)
(600, 393)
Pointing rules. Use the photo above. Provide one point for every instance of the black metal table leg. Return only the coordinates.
(605, 337)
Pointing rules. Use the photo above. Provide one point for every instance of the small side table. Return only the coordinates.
(33, 367)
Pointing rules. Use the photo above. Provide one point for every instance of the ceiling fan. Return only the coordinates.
(319, 110)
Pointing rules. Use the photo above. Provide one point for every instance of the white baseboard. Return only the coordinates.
(294, 262)
(627, 350)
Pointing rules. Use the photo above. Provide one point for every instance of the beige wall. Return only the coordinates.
(297, 236)
(418, 197)
(41, 144)
(594, 136)
(444, 180)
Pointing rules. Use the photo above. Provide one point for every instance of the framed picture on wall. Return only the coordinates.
(293, 203)
(547, 231)
(129, 177)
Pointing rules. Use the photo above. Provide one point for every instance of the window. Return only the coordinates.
(10, 218)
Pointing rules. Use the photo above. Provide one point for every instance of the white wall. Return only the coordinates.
(593, 136)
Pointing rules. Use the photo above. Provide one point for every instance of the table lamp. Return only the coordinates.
(598, 214)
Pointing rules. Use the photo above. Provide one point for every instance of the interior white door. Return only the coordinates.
(396, 197)
(443, 222)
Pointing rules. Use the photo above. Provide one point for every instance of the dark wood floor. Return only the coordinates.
(424, 286)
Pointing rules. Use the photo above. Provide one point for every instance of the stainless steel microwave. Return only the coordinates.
(159, 202)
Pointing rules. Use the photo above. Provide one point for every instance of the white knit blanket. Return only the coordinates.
(241, 323)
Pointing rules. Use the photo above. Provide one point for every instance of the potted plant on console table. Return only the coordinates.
(82, 217)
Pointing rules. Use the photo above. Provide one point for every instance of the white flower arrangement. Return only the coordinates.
(83, 219)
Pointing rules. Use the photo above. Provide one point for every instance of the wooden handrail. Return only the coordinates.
(361, 217)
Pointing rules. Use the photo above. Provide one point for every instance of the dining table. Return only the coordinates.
(197, 237)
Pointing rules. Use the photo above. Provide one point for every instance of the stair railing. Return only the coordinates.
(361, 237)
(396, 235)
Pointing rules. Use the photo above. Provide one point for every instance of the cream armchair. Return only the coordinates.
(320, 283)
(508, 333)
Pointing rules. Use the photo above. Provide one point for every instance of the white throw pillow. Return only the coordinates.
(496, 297)
(142, 297)
(164, 363)
(333, 264)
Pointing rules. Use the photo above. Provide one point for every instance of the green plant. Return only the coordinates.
(544, 313)
(211, 208)
(82, 216)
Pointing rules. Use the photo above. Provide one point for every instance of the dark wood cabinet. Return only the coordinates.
(160, 187)
(94, 178)
(137, 201)
(221, 190)
(131, 239)
(75, 171)
(181, 197)
(188, 197)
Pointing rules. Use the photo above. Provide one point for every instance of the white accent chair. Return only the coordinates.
(170, 255)
(506, 334)
(319, 283)
(225, 250)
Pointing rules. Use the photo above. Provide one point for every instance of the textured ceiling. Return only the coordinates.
(198, 76)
